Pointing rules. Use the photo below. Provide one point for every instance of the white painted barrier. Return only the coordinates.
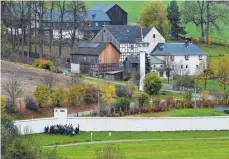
(129, 124)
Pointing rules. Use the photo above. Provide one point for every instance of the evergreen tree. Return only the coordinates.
(147, 66)
(174, 18)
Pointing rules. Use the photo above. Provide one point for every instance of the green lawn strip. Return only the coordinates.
(214, 49)
(44, 139)
(188, 112)
(191, 149)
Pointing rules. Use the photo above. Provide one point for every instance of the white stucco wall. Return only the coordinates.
(192, 63)
(130, 124)
(153, 41)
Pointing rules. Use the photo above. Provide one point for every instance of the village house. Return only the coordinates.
(126, 37)
(95, 58)
(178, 58)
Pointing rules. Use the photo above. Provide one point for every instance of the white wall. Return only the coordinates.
(153, 41)
(131, 124)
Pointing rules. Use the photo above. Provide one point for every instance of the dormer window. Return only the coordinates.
(132, 47)
(96, 24)
(93, 16)
(200, 57)
(154, 36)
(186, 57)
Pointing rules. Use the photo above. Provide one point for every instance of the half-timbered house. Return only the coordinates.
(125, 38)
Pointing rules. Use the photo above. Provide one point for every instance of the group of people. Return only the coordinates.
(62, 129)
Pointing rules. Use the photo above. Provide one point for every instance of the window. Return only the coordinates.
(132, 47)
(200, 57)
(181, 66)
(104, 30)
(172, 66)
(161, 66)
(186, 57)
(172, 58)
(186, 66)
(197, 66)
(161, 74)
(154, 66)
(167, 74)
(89, 24)
(154, 36)
(96, 24)
(62, 110)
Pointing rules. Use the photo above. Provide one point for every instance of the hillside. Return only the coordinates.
(136, 7)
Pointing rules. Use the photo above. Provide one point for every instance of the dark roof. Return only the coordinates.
(90, 15)
(90, 48)
(176, 49)
(103, 7)
(127, 33)
(155, 60)
(132, 59)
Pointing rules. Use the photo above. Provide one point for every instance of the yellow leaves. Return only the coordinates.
(42, 95)
(154, 15)
(58, 96)
(108, 92)
(3, 103)
(209, 40)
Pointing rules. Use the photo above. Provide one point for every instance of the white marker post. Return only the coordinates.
(91, 136)
(110, 135)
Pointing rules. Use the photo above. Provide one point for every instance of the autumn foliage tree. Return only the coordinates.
(154, 15)
(152, 83)
(222, 72)
(42, 95)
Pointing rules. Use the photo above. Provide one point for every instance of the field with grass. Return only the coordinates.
(188, 112)
(136, 7)
(167, 145)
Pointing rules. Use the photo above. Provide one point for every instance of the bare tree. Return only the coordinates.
(79, 15)
(51, 28)
(169, 66)
(29, 29)
(204, 71)
(62, 8)
(13, 88)
(41, 29)
(75, 80)
(49, 80)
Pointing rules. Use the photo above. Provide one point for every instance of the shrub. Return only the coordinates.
(226, 95)
(76, 95)
(158, 109)
(188, 95)
(58, 96)
(188, 104)
(43, 63)
(108, 92)
(170, 102)
(143, 99)
(204, 95)
(31, 104)
(152, 83)
(122, 91)
(124, 103)
(3, 103)
(10, 106)
(42, 95)
(91, 94)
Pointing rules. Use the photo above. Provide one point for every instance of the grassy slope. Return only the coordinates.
(206, 149)
(134, 9)
(43, 139)
(183, 113)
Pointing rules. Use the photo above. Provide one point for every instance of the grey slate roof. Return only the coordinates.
(132, 59)
(155, 60)
(177, 49)
(90, 48)
(127, 33)
(98, 15)
(103, 7)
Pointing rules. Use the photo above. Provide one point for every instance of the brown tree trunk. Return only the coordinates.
(51, 29)
(29, 33)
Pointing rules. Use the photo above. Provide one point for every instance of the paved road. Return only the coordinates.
(137, 140)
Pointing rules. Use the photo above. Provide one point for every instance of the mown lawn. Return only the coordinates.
(191, 149)
(212, 85)
(188, 112)
(44, 139)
